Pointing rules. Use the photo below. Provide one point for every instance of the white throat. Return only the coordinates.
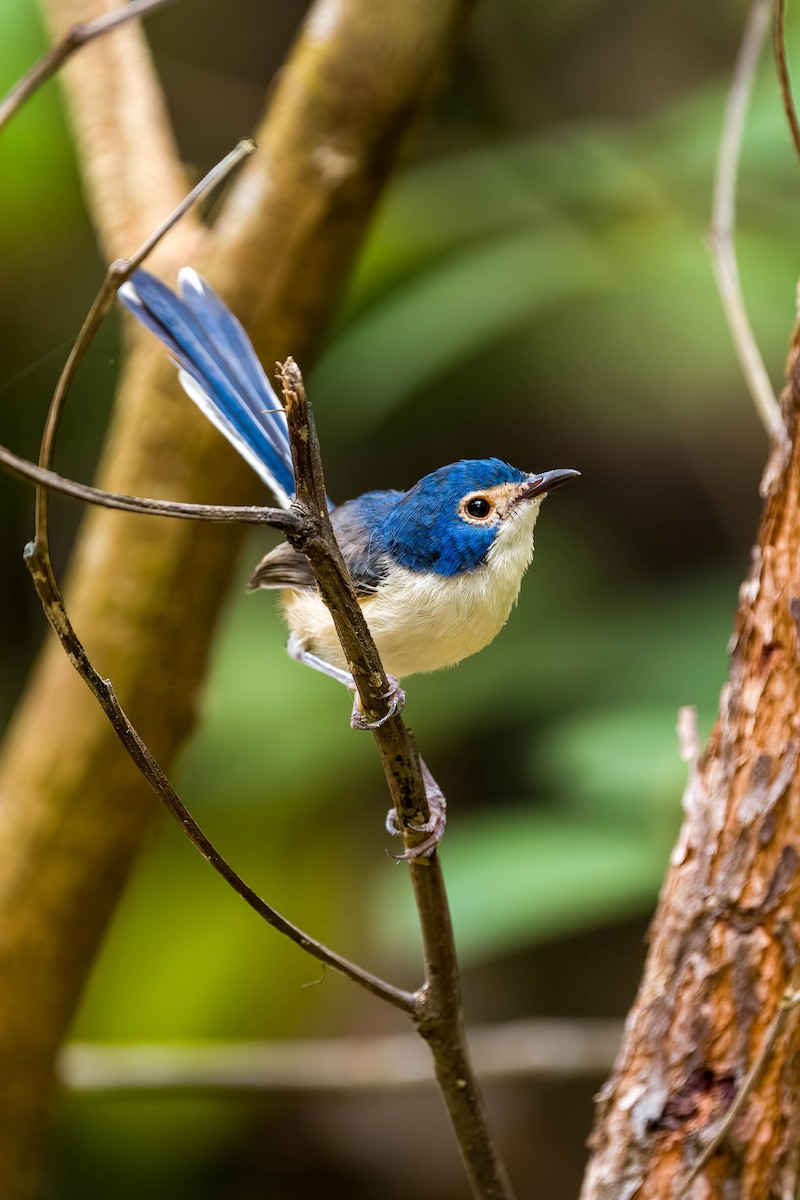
(423, 622)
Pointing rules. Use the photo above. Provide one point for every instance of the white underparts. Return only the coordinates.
(423, 622)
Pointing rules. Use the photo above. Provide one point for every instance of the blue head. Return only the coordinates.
(449, 521)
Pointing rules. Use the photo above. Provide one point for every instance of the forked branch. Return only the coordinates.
(436, 1007)
(37, 556)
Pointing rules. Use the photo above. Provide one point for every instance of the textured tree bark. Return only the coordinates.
(144, 593)
(725, 940)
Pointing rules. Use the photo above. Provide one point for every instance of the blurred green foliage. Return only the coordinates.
(536, 286)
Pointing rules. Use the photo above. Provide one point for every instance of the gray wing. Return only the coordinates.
(354, 524)
(282, 567)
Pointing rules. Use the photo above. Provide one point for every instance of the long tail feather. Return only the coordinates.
(219, 371)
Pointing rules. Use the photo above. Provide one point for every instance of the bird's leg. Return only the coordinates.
(395, 696)
(434, 826)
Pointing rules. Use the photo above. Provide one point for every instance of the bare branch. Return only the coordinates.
(438, 1013)
(779, 46)
(722, 945)
(53, 605)
(147, 594)
(77, 36)
(37, 555)
(316, 540)
(131, 166)
(535, 1049)
(116, 275)
(275, 518)
(723, 220)
(213, 178)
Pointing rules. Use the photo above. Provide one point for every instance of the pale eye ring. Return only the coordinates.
(478, 508)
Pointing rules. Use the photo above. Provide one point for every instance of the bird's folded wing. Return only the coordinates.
(283, 567)
(355, 524)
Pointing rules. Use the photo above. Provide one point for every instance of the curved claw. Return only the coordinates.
(423, 850)
(397, 702)
(434, 822)
(434, 826)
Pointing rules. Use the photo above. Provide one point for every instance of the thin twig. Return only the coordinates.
(116, 275)
(436, 1008)
(723, 221)
(217, 175)
(77, 36)
(38, 560)
(785, 1009)
(249, 514)
(779, 46)
(533, 1049)
(438, 1013)
(53, 605)
(317, 542)
(72, 41)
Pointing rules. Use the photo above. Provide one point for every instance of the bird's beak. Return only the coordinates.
(539, 485)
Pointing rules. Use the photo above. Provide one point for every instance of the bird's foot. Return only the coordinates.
(396, 702)
(395, 696)
(434, 826)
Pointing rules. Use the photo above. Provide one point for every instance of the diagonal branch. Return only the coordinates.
(51, 600)
(146, 594)
(703, 1099)
(438, 1012)
(53, 605)
(119, 271)
(131, 167)
(779, 48)
(74, 39)
(37, 557)
(723, 222)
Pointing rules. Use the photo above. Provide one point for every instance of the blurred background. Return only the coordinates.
(536, 286)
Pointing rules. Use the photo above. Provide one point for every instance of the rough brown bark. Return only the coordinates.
(144, 594)
(725, 940)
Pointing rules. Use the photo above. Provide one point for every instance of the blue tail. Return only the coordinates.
(219, 371)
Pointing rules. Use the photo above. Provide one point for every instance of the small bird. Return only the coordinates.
(437, 569)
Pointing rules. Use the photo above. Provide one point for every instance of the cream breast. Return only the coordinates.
(423, 622)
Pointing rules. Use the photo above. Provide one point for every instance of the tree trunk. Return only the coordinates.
(725, 941)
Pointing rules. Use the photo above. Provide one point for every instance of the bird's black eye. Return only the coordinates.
(478, 508)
